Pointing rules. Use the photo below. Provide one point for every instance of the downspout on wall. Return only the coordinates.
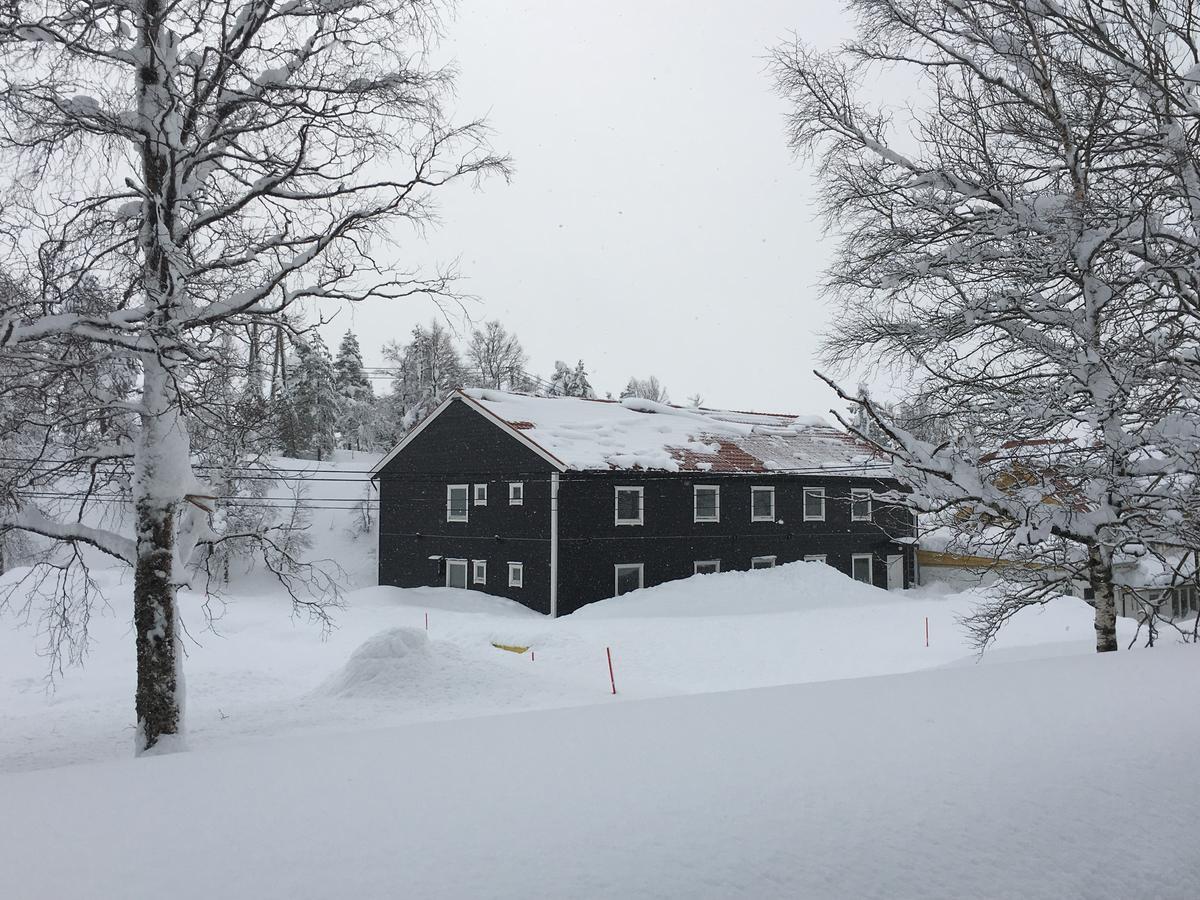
(554, 545)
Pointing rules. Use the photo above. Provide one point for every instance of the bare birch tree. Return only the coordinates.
(1023, 248)
(213, 163)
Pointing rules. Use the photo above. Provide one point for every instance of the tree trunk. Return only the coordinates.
(1100, 574)
(162, 465)
(155, 620)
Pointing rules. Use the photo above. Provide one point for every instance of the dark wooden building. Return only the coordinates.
(556, 502)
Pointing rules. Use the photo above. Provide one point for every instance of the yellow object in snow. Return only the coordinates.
(509, 647)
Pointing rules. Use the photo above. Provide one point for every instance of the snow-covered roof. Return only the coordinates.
(581, 434)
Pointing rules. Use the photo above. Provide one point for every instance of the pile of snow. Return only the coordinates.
(790, 588)
(383, 666)
(1029, 780)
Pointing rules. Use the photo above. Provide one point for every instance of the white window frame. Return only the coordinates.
(479, 571)
(466, 489)
(762, 489)
(696, 489)
(857, 496)
(466, 571)
(641, 493)
(479, 494)
(870, 558)
(762, 559)
(516, 493)
(706, 562)
(641, 570)
(819, 492)
(516, 574)
(817, 558)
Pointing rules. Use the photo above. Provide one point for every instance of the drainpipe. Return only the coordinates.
(553, 545)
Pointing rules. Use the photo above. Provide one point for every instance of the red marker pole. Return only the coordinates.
(611, 680)
(927, 631)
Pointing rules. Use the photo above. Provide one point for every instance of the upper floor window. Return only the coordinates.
(516, 493)
(456, 502)
(762, 504)
(481, 495)
(860, 505)
(814, 504)
(629, 506)
(706, 503)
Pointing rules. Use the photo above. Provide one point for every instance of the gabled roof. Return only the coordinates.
(635, 434)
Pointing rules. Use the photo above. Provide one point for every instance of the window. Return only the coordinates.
(456, 503)
(481, 495)
(814, 504)
(860, 568)
(629, 506)
(762, 562)
(516, 493)
(479, 571)
(860, 505)
(706, 503)
(762, 504)
(516, 574)
(628, 577)
(816, 557)
(456, 573)
(706, 566)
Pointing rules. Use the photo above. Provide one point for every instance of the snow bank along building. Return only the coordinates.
(557, 502)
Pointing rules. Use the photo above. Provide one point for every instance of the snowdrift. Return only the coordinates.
(794, 587)
(383, 665)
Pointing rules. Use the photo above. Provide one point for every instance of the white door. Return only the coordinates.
(456, 573)
(895, 573)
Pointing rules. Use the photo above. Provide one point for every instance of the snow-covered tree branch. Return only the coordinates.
(209, 165)
(1023, 251)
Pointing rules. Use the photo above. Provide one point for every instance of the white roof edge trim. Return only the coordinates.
(471, 403)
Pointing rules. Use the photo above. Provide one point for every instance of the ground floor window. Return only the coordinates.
(706, 566)
(516, 574)
(860, 568)
(456, 573)
(762, 562)
(479, 570)
(628, 577)
(816, 557)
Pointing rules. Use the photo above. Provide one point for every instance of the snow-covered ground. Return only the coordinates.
(327, 765)
(1055, 779)
(261, 674)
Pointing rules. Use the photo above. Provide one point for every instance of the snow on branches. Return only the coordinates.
(1023, 250)
(210, 166)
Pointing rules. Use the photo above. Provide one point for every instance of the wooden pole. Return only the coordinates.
(611, 680)
(927, 631)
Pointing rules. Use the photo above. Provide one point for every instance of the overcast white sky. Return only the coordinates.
(657, 222)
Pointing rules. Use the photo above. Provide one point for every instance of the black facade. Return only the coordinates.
(460, 446)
